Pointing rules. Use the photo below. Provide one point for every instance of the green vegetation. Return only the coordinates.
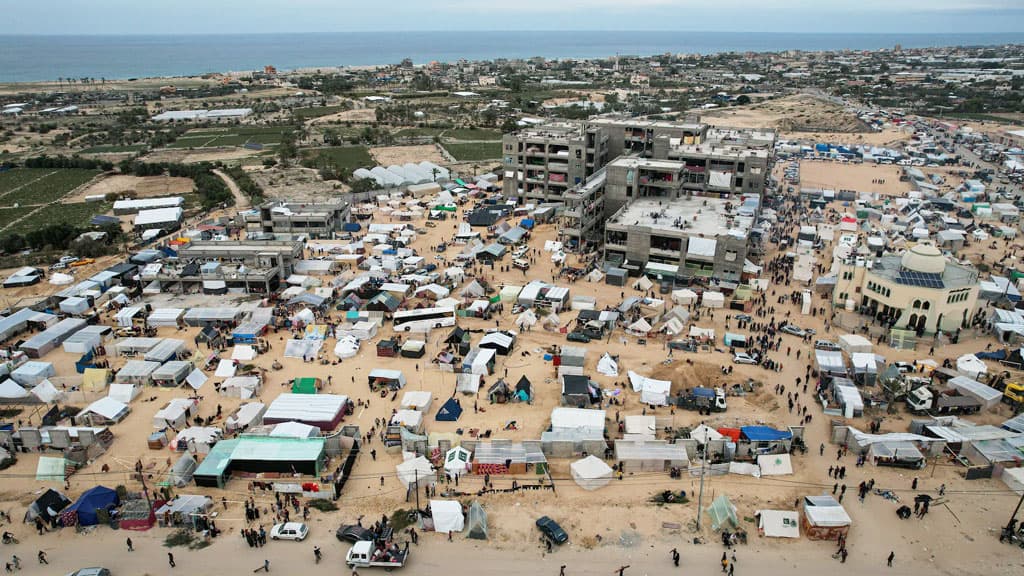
(232, 136)
(8, 215)
(53, 186)
(11, 179)
(337, 163)
(985, 117)
(75, 214)
(418, 132)
(245, 183)
(307, 113)
(473, 134)
(323, 505)
(469, 152)
(113, 149)
(211, 189)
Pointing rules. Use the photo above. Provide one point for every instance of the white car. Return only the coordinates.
(743, 358)
(289, 531)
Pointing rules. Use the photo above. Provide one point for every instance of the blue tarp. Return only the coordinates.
(704, 392)
(450, 412)
(98, 498)
(351, 227)
(821, 147)
(527, 223)
(764, 434)
(997, 355)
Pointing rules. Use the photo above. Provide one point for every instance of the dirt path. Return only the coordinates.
(241, 200)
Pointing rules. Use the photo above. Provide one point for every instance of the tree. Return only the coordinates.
(743, 100)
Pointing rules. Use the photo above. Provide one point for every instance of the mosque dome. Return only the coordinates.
(924, 258)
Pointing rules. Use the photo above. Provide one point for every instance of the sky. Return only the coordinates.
(280, 16)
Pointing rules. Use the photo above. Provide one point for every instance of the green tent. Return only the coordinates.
(304, 386)
(721, 512)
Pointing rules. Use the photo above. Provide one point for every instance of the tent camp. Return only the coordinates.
(86, 510)
(447, 516)
(713, 300)
(457, 461)
(778, 523)
(591, 473)
(450, 411)
(175, 414)
(246, 415)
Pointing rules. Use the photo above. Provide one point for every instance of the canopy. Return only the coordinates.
(50, 469)
(591, 473)
(447, 516)
(450, 411)
(457, 461)
(98, 498)
(775, 464)
(416, 472)
(607, 365)
(779, 523)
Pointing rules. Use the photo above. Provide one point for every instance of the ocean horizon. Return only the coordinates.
(32, 58)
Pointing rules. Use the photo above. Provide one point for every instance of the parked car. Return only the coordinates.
(521, 264)
(743, 318)
(743, 358)
(578, 337)
(289, 531)
(353, 533)
(552, 530)
(794, 330)
(826, 345)
(904, 367)
(94, 571)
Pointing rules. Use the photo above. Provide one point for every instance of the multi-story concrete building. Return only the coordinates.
(583, 215)
(662, 228)
(637, 136)
(542, 163)
(919, 290)
(319, 220)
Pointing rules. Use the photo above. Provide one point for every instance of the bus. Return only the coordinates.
(423, 319)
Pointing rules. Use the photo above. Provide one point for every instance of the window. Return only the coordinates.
(730, 255)
(848, 275)
(741, 167)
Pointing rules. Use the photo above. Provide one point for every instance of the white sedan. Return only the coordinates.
(289, 531)
(742, 358)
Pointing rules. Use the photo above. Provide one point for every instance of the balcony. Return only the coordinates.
(558, 167)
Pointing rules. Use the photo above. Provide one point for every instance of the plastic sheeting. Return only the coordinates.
(591, 473)
(447, 516)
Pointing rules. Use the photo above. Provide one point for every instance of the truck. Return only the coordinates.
(703, 399)
(363, 554)
(926, 399)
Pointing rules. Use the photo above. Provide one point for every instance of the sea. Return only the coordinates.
(42, 58)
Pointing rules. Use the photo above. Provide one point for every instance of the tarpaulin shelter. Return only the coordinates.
(447, 516)
(591, 473)
(778, 523)
(416, 472)
(722, 513)
(243, 387)
(476, 522)
(324, 411)
(11, 390)
(50, 469)
(450, 411)
(457, 461)
(84, 512)
(47, 506)
(775, 464)
(764, 434)
(825, 518)
(304, 386)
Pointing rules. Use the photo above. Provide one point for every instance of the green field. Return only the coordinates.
(77, 214)
(473, 134)
(11, 179)
(342, 157)
(231, 136)
(470, 152)
(8, 215)
(111, 149)
(316, 112)
(418, 132)
(53, 186)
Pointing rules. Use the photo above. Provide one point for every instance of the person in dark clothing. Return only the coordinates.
(42, 557)
(675, 557)
(561, 570)
(170, 559)
(891, 556)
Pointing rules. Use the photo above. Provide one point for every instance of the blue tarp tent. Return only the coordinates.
(764, 434)
(450, 412)
(351, 227)
(98, 498)
(527, 223)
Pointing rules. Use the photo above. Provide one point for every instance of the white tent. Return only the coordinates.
(107, 408)
(703, 434)
(196, 379)
(124, 393)
(778, 523)
(243, 387)
(457, 461)
(347, 347)
(243, 352)
(684, 296)
(295, 430)
(305, 316)
(11, 390)
(46, 392)
(651, 391)
(447, 516)
(175, 414)
(246, 415)
(642, 283)
(1014, 479)
(526, 319)
(591, 473)
(639, 328)
(571, 419)
(971, 366)
(416, 472)
(713, 300)
(775, 464)
(607, 365)
(302, 348)
(595, 275)
(673, 326)
(851, 343)
(225, 368)
(419, 400)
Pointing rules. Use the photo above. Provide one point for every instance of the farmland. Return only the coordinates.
(341, 158)
(470, 152)
(481, 134)
(301, 114)
(111, 149)
(77, 214)
(8, 215)
(40, 186)
(231, 136)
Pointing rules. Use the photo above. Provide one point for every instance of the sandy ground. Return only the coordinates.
(196, 156)
(142, 186)
(956, 538)
(798, 112)
(388, 155)
(295, 183)
(356, 115)
(859, 177)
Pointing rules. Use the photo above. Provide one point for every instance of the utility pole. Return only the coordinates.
(700, 497)
(1015, 510)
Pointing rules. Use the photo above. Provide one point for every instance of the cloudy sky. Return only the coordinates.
(248, 16)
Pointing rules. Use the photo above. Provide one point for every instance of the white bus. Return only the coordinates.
(424, 319)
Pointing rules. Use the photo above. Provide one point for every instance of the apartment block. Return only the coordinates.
(660, 227)
(543, 163)
(637, 136)
(580, 221)
(315, 220)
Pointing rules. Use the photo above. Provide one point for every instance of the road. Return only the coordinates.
(241, 200)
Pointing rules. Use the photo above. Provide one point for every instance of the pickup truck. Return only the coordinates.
(361, 555)
(703, 399)
(924, 399)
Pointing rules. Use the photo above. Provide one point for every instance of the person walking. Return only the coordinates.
(892, 555)
(675, 557)
(317, 555)
(561, 570)
(265, 567)
(42, 557)
(725, 562)
(913, 485)
(732, 568)
(622, 569)
(170, 559)
(130, 548)
(16, 561)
